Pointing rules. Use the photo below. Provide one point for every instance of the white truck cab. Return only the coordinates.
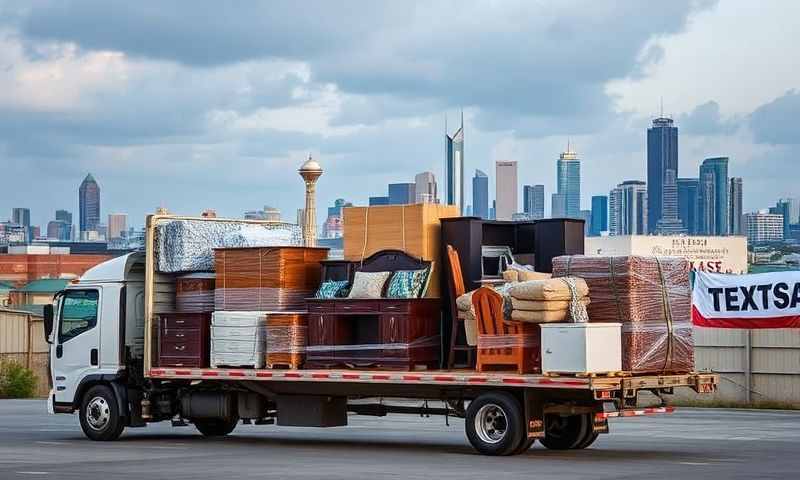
(95, 329)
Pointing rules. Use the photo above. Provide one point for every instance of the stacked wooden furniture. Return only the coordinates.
(456, 286)
(502, 343)
(286, 339)
(266, 278)
(382, 333)
(184, 340)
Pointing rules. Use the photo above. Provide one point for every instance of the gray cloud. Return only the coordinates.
(776, 122)
(705, 119)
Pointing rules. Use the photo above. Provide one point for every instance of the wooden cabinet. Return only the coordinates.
(184, 340)
(382, 333)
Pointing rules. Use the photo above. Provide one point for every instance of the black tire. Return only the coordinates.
(215, 427)
(526, 445)
(590, 436)
(99, 414)
(494, 424)
(565, 432)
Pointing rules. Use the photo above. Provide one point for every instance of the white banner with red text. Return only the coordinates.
(762, 300)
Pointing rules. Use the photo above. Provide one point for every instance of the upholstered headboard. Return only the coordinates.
(391, 261)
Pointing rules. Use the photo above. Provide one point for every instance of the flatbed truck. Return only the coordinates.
(101, 331)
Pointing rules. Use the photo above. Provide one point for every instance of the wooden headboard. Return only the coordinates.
(391, 261)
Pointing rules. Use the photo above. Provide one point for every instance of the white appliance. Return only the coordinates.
(581, 347)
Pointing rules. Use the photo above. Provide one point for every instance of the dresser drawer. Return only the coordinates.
(320, 306)
(393, 306)
(181, 335)
(197, 321)
(182, 362)
(357, 306)
(181, 348)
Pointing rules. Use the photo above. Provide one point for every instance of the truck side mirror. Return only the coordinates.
(48, 322)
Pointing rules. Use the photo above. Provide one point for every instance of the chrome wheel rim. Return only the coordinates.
(98, 413)
(491, 423)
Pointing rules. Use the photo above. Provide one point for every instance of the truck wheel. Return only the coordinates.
(99, 414)
(526, 445)
(590, 436)
(215, 427)
(565, 432)
(494, 424)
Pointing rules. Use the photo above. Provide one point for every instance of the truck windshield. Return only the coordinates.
(78, 313)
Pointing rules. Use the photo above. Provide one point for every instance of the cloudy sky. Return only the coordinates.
(203, 104)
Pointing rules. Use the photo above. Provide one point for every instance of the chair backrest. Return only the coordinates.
(488, 306)
(456, 278)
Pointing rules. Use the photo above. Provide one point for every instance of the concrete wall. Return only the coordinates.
(22, 340)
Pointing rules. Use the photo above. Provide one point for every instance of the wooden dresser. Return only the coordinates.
(398, 334)
(184, 340)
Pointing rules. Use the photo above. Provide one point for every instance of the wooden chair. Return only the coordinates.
(504, 343)
(455, 281)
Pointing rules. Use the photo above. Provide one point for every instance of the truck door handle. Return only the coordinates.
(59, 351)
(93, 357)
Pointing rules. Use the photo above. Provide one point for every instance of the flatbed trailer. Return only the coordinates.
(114, 389)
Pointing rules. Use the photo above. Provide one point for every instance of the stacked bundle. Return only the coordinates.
(238, 339)
(548, 301)
(194, 292)
(650, 296)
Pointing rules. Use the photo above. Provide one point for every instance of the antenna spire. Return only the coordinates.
(662, 107)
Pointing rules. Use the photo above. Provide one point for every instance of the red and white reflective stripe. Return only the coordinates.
(635, 413)
(437, 377)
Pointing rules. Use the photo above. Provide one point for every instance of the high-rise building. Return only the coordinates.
(117, 225)
(662, 173)
(688, 206)
(763, 227)
(58, 230)
(784, 209)
(714, 200)
(22, 217)
(558, 207)
(627, 208)
(493, 211)
(568, 182)
(599, 217)
(89, 204)
(586, 216)
(402, 193)
(66, 217)
(333, 226)
(533, 201)
(480, 194)
(378, 201)
(506, 190)
(454, 166)
(735, 207)
(425, 188)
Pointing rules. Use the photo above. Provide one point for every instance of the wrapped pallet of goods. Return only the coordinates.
(286, 339)
(414, 229)
(266, 278)
(650, 297)
(194, 292)
(238, 339)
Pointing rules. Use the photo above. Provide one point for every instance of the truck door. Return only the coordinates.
(76, 349)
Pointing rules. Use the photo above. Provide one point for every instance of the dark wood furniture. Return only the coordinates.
(184, 339)
(456, 289)
(503, 343)
(385, 333)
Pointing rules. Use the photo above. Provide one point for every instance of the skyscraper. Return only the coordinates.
(506, 190)
(568, 182)
(784, 209)
(688, 206)
(627, 205)
(117, 225)
(533, 201)
(454, 166)
(714, 201)
(425, 188)
(402, 193)
(89, 204)
(558, 207)
(22, 217)
(662, 174)
(599, 218)
(763, 227)
(735, 207)
(67, 230)
(480, 194)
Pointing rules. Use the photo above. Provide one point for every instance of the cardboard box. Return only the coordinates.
(415, 229)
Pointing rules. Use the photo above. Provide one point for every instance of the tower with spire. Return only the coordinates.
(567, 199)
(89, 205)
(454, 166)
(662, 176)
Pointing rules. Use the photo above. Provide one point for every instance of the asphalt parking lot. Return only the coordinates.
(693, 443)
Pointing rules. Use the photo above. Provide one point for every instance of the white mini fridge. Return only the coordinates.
(581, 347)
